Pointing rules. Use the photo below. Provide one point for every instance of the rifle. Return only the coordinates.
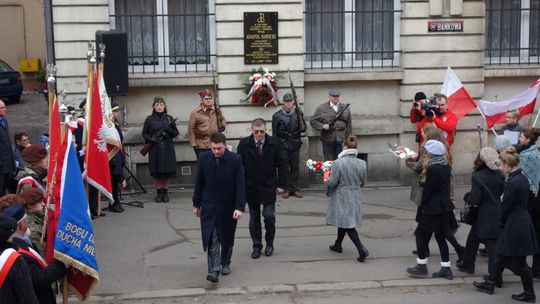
(293, 90)
(338, 115)
(220, 126)
(146, 148)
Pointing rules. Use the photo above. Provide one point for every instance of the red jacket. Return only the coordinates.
(447, 122)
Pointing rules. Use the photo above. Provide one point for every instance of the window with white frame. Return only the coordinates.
(166, 35)
(512, 32)
(351, 33)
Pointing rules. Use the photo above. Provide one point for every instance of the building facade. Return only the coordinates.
(378, 53)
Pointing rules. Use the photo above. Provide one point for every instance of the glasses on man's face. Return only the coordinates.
(259, 131)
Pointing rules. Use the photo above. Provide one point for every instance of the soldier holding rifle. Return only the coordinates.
(158, 132)
(333, 120)
(287, 126)
(205, 121)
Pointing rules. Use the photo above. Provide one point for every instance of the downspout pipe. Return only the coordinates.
(49, 32)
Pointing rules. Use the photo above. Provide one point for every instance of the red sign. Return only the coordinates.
(445, 26)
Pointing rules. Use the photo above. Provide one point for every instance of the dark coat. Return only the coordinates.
(436, 191)
(17, 288)
(260, 171)
(7, 161)
(118, 161)
(286, 128)
(517, 238)
(219, 190)
(487, 187)
(162, 157)
(42, 278)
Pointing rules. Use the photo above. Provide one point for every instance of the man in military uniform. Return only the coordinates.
(332, 135)
(287, 127)
(204, 121)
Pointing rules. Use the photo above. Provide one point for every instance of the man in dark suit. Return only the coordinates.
(261, 156)
(219, 200)
(7, 161)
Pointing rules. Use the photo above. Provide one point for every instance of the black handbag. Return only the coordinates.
(469, 213)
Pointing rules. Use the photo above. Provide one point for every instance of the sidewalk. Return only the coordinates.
(156, 251)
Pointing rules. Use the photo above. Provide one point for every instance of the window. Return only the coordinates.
(512, 31)
(166, 35)
(351, 33)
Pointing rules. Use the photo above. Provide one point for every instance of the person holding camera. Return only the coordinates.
(437, 113)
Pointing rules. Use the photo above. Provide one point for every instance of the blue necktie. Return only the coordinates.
(3, 122)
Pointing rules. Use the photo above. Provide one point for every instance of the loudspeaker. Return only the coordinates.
(115, 65)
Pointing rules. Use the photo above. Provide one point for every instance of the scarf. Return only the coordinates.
(437, 160)
(348, 152)
(530, 164)
(288, 113)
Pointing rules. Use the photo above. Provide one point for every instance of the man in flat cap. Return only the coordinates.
(34, 172)
(332, 135)
(16, 285)
(287, 125)
(41, 274)
(7, 160)
(204, 121)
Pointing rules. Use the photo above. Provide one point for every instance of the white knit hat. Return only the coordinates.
(435, 147)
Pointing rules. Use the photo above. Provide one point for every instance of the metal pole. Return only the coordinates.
(49, 32)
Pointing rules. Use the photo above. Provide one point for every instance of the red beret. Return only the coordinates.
(206, 94)
(34, 153)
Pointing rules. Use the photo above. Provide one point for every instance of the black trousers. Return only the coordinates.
(471, 249)
(115, 184)
(422, 244)
(93, 199)
(255, 229)
(293, 168)
(199, 151)
(518, 265)
(331, 150)
(534, 211)
(217, 255)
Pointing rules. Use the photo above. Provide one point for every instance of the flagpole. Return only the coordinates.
(89, 80)
(65, 290)
(536, 119)
(493, 130)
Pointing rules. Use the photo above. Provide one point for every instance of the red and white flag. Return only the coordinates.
(111, 134)
(459, 100)
(97, 160)
(524, 102)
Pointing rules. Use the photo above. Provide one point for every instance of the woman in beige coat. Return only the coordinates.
(348, 174)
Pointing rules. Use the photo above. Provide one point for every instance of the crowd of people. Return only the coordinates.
(503, 200)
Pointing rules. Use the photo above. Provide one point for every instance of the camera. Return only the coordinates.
(429, 106)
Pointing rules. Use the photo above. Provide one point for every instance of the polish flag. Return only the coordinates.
(459, 100)
(524, 102)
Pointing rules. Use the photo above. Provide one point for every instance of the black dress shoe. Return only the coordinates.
(336, 248)
(256, 253)
(465, 268)
(269, 250)
(525, 296)
(486, 286)
(213, 277)
(364, 253)
(498, 283)
(225, 269)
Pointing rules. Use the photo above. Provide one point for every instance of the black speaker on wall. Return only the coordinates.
(115, 65)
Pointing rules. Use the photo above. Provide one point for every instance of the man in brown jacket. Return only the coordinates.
(203, 122)
(332, 135)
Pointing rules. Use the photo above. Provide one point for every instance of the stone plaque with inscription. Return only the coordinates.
(261, 38)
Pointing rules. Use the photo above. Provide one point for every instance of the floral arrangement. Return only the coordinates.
(319, 167)
(403, 152)
(261, 87)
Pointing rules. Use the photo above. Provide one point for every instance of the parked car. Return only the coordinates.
(11, 86)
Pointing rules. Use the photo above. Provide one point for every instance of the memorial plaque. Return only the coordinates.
(261, 38)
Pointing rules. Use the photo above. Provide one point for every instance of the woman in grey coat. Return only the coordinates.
(348, 174)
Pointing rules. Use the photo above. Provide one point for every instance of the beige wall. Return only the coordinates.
(22, 35)
(380, 98)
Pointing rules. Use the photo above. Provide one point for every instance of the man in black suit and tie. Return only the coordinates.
(261, 156)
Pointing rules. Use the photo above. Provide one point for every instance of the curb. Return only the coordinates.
(291, 288)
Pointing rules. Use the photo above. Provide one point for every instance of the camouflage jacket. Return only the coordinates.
(35, 223)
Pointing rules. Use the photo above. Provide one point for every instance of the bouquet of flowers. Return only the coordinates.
(403, 152)
(319, 167)
(261, 88)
